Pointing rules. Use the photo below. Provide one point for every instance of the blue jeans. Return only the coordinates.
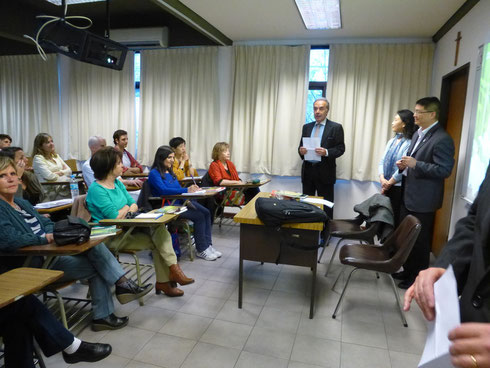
(102, 270)
(202, 225)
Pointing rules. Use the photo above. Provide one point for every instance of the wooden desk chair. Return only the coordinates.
(147, 203)
(386, 258)
(138, 269)
(72, 164)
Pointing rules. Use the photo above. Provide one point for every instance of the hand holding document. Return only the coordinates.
(436, 351)
(310, 143)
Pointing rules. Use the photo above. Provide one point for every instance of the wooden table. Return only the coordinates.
(263, 244)
(187, 181)
(43, 211)
(209, 193)
(139, 175)
(19, 282)
(80, 182)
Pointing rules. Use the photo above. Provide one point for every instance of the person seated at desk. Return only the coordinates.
(26, 318)
(223, 172)
(29, 188)
(21, 225)
(130, 165)
(108, 199)
(182, 166)
(49, 166)
(163, 182)
(95, 143)
(5, 141)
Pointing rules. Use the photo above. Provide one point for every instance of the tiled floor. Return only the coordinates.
(205, 328)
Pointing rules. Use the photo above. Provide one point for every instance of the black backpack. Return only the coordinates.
(275, 212)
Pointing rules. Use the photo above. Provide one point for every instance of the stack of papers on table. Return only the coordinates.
(150, 215)
(317, 201)
(172, 209)
(52, 204)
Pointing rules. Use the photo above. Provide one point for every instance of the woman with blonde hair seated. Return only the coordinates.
(49, 166)
(107, 198)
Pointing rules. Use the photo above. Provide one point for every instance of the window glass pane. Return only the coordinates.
(319, 65)
(136, 67)
(313, 94)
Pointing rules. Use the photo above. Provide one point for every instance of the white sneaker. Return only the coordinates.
(207, 254)
(216, 252)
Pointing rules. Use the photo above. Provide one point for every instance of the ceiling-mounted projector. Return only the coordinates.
(82, 45)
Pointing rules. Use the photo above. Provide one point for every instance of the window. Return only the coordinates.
(318, 79)
(137, 68)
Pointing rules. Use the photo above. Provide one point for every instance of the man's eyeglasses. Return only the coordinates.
(421, 112)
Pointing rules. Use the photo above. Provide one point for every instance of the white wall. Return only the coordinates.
(475, 31)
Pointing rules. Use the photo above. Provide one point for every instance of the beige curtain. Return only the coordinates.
(367, 84)
(95, 101)
(29, 102)
(180, 98)
(269, 108)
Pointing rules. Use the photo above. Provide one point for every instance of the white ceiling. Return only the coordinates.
(276, 20)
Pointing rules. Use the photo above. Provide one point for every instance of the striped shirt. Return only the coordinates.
(33, 223)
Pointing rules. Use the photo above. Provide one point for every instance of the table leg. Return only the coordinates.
(240, 282)
(313, 291)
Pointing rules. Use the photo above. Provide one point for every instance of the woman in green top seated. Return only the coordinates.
(107, 198)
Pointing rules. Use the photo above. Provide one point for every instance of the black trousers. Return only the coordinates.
(313, 185)
(25, 319)
(395, 196)
(419, 257)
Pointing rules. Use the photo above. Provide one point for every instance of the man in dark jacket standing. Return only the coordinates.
(429, 160)
(318, 177)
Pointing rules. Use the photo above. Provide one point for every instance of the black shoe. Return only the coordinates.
(402, 275)
(405, 284)
(111, 322)
(88, 352)
(129, 291)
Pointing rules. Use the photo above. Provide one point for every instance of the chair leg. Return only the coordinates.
(333, 256)
(324, 247)
(138, 275)
(187, 230)
(37, 355)
(343, 292)
(402, 315)
(338, 278)
(62, 308)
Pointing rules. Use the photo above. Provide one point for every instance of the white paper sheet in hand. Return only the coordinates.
(310, 143)
(436, 351)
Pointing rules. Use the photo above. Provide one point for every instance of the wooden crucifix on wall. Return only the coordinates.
(457, 48)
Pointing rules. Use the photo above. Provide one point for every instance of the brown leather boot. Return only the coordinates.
(177, 275)
(168, 288)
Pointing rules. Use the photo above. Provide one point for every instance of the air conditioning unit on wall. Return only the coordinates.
(141, 38)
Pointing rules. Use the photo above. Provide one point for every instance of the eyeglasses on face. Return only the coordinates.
(417, 112)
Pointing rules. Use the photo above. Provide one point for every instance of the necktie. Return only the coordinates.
(317, 129)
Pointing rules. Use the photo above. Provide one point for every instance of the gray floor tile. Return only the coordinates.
(363, 333)
(216, 289)
(203, 306)
(404, 360)
(405, 340)
(128, 341)
(150, 318)
(251, 360)
(225, 275)
(228, 334)
(136, 364)
(324, 327)
(211, 356)
(247, 315)
(269, 342)
(293, 364)
(112, 361)
(279, 319)
(313, 350)
(186, 325)
(287, 301)
(355, 309)
(358, 356)
(166, 351)
(166, 302)
(252, 295)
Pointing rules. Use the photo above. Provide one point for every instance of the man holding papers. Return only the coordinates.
(469, 254)
(322, 141)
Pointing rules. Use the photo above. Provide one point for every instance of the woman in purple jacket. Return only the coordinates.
(163, 181)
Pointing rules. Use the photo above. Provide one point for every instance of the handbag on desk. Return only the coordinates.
(72, 230)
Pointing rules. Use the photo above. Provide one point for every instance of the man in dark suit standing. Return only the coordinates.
(468, 253)
(429, 160)
(318, 177)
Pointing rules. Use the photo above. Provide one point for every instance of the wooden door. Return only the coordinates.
(453, 97)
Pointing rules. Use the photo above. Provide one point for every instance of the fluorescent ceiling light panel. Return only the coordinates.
(71, 2)
(320, 14)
